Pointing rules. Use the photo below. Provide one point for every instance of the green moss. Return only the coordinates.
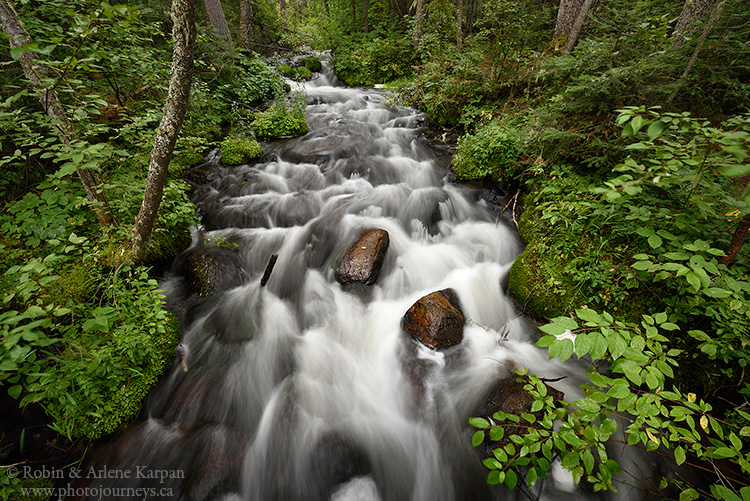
(286, 70)
(303, 73)
(239, 151)
(313, 64)
(33, 489)
(124, 402)
(534, 281)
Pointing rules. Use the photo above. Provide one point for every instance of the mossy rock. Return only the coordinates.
(313, 64)
(286, 70)
(239, 151)
(533, 282)
(303, 73)
(126, 401)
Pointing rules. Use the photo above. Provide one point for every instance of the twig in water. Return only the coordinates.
(269, 269)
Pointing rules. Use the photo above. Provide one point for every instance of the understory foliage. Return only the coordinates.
(84, 332)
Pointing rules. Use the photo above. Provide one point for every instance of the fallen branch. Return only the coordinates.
(269, 269)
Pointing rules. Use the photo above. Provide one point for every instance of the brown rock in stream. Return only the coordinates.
(364, 258)
(436, 320)
(509, 396)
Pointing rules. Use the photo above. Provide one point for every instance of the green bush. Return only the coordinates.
(282, 118)
(490, 151)
(370, 62)
(239, 151)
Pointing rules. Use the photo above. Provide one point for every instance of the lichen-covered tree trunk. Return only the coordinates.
(575, 30)
(417, 34)
(246, 22)
(181, 75)
(567, 14)
(693, 13)
(37, 75)
(218, 21)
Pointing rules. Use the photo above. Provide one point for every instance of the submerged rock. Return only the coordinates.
(509, 396)
(364, 258)
(208, 273)
(436, 320)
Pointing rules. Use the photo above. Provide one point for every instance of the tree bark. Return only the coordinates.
(567, 14)
(216, 16)
(36, 74)
(459, 24)
(181, 75)
(282, 4)
(365, 13)
(737, 241)
(572, 35)
(714, 15)
(417, 34)
(693, 12)
(246, 21)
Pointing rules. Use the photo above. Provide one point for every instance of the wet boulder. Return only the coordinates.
(509, 396)
(362, 261)
(208, 273)
(436, 320)
(334, 461)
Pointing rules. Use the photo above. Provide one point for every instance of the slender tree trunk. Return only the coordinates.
(714, 15)
(365, 12)
(36, 74)
(693, 12)
(739, 238)
(572, 36)
(282, 4)
(216, 16)
(459, 24)
(246, 21)
(181, 75)
(417, 35)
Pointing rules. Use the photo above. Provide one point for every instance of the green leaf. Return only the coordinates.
(531, 477)
(717, 292)
(689, 495)
(15, 391)
(588, 315)
(655, 241)
(478, 438)
(571, 460)
(478, 422)
(587, 405)
(656, 129)
(495, 477)
(511, 479)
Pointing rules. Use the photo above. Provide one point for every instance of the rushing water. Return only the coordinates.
(300, 390)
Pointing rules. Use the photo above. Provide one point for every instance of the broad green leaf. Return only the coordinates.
(655, 241)
(511, 479)
(656, 129)
(588, 315)
(717, 292)
(478, 422)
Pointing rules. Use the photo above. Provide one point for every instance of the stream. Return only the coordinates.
(301, 389)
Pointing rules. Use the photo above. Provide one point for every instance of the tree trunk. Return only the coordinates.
(365, 12)
(459, 24)
(572, 35)
(216, 16)
(417, 35)
(181, 74)
(693, 12)
(714, 15)
(36, 74)
(567, 14)
(282, 4)
(246, 21)
(739, 238)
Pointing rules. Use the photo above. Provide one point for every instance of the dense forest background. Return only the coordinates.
(621, 130)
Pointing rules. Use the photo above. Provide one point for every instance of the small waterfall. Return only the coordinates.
(298, 390)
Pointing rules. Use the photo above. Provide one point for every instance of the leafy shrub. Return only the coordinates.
(490, 151)
(282, 118)
(368, 62)
(313, 64)
(254, 81)
(239, 151)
